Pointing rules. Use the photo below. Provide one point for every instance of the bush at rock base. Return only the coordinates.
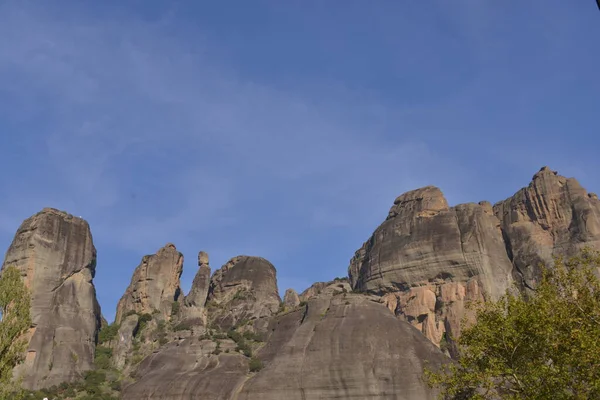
(255, 365)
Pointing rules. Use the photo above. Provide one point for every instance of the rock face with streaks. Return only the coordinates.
(426, 259)
(552, 216)
(56, 256)
(244, 289)
(123, 343)
(154, 285)
(189, 369)
(340, 345)
(343, 346)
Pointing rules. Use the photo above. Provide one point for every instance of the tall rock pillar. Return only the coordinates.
(57, 259)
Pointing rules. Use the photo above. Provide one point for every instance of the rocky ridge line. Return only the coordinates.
(426, 260)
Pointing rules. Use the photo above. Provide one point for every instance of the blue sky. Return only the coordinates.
(283, 129)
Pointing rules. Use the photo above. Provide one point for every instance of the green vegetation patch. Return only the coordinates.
(255, 365)
(108, 333)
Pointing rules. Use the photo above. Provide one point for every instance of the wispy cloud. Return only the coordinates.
(144, 128)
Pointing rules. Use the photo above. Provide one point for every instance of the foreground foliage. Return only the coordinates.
(16, 320)
(541, 346)
(95, 385)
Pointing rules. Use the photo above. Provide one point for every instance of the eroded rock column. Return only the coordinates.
(56, 256)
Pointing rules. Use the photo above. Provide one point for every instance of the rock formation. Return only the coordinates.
(342, 347)
(335, 340)
(154, 285)
(319, 287)
(339, 345)
(427, 259)
(199, 291)
(122, 347)
(189, 369)
(314, 290)
(194, 304)
(244, 289)
(291, 299)
(554, 215)
(57, 259)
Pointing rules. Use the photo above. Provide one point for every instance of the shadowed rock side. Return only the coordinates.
(245, 288)
(426, 259)
(554, 215)
(123, 343)
(57, 259)
(154, 285)
(338, 346)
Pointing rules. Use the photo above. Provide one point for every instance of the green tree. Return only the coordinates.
(255, 365)
(108, 333)
(15, 320)
(543, 345)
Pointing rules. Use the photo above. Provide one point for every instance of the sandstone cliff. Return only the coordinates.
(231, 337)
(189, 369)
(57, 259)
(154, 286)
(426, 259)
(342, 346)
(339, 345)
(552, 216)
(152, 298)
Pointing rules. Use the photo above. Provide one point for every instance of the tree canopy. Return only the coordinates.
(15, 321)
(539, 345)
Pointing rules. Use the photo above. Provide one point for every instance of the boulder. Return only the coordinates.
(154, 286)
(56, 256)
